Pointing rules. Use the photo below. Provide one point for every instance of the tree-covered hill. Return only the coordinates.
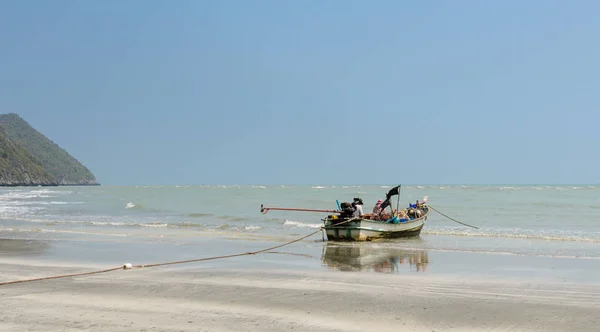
(58, 163)
(18, 167)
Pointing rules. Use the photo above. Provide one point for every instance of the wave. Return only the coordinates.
(58, 231)
(95, 222)
(137, 206)
(28, 194)
(144, 224)
(13, 196)
(186, 225)
(138, 224)
(57, 203)
(153, 224)
(503, 252)
(509, 188)
(548, 237)
(51, 203)
(232, 218)
(200, 215)
(301, 224)
(11, 211)
(30, 203)
(225, 186)
(98, 223)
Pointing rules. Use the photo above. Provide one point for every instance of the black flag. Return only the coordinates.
(394, 191)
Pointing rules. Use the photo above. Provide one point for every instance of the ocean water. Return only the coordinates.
(514, 221)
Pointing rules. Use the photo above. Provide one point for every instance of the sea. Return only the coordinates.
(536, 231)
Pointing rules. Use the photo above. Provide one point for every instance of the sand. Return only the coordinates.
(202, 297)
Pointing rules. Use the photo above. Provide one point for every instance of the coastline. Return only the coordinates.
(291, 289)
(25, 185)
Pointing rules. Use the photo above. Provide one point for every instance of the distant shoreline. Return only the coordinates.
(48, 185)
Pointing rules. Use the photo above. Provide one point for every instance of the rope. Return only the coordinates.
(61, 276)
(228, 256)
(169, 263)
(431, 207)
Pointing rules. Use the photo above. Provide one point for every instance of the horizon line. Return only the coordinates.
(354, 185)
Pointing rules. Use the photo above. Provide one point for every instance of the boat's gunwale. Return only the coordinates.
(376, 230)
(361, 220)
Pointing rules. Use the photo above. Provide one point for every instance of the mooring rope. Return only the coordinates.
(229, 256)
(61, 276)
(124, 267)
(462, 223)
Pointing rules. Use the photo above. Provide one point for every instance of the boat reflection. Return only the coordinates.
(361, 257)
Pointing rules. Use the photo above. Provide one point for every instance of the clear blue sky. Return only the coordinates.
(310, 92)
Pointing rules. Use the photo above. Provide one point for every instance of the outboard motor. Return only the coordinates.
(347, 210)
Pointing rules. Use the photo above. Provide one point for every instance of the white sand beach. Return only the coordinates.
(201, 297)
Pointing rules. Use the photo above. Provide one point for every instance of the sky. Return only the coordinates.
(310, 92)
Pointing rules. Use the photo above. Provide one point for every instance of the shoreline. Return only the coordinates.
(308, 255)
(24, 185)
(209, 297)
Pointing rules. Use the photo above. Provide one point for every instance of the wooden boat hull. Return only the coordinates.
(368, 230)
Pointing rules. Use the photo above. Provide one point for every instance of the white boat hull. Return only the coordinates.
(368, 230)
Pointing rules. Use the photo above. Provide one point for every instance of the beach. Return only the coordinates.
(533, 267)
(284, 291)
(198, 166)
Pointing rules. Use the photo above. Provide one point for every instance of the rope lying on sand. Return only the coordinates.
(126, 266)
(228, 256)
(431, 207)
(61, 276)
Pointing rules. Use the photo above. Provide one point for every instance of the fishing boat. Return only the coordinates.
(361, 229)
(343, 226)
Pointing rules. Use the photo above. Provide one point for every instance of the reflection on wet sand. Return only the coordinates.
(363, 257)
(17, 247)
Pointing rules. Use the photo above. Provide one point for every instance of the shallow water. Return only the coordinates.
(518, 224)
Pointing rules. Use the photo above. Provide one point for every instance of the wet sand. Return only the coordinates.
(209, 297)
